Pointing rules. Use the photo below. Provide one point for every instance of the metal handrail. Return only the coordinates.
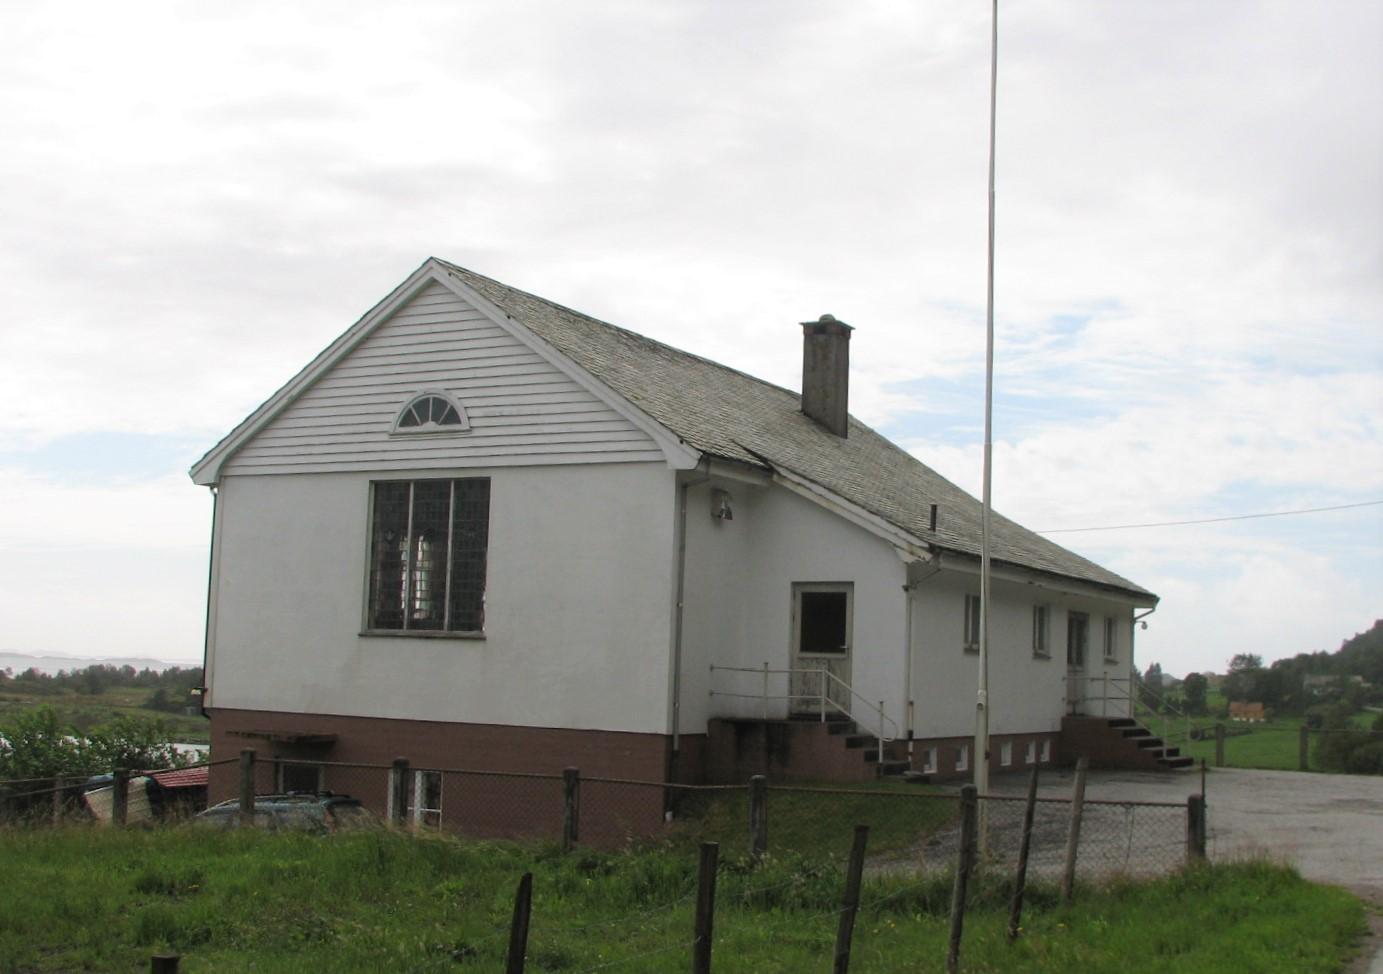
(823, 698)
(1135, 703)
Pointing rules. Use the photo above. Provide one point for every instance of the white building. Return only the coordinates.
(486, 531)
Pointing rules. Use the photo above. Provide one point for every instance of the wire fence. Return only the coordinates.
(914, 828)
(1277, 745)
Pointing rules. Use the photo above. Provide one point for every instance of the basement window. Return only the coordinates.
(427, 799)
(432, 412)
(428, 544)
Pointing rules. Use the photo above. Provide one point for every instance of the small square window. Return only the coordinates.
(300, 778)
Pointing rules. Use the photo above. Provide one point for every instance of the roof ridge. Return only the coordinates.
(638, 336)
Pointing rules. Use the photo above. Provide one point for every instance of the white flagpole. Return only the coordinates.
(982, 696)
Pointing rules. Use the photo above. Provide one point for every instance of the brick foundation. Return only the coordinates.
(496, 798)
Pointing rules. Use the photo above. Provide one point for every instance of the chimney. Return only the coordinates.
(826, 373)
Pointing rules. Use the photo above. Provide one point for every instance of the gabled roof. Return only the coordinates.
(727, 414)
(724, 414)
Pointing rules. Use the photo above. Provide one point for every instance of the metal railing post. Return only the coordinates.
(822, 671)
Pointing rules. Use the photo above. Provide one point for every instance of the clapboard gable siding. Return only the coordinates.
(522, 409)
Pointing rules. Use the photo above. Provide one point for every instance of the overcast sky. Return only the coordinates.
(194, 200)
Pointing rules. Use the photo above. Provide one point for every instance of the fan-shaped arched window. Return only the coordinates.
(432, 412)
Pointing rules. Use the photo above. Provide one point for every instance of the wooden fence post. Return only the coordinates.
(571, 808)
(1020, 880)
(758, 816)
(398, 793)
(1219, 745)
(164, 964)
(845, 931)
(59, 789)
(705, 908)
(120, 796)
(247, 787)
(1195, 829)
(964, 864)
(1068, 875)
(518, 926)
(1304, 749)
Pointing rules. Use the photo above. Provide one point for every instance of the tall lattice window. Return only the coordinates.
(428, 542)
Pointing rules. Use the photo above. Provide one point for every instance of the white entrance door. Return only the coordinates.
(1077, 648)
(822, 628)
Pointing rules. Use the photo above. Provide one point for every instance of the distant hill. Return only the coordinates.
(19, 662)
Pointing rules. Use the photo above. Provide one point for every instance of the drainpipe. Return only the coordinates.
(909, 703)
(907, 664)
(206, 632)
(677, 621)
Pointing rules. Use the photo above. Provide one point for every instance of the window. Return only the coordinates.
(1077, 638)
(1031, 756)
(428, 541)
(1005, 754)
(972, 622)
(432, 412)
(1111, 638)
(823, 621)
(1040, 645)
(427, 798)
(963, 757)
(300, 778)
(1046, 751)
(929, 760)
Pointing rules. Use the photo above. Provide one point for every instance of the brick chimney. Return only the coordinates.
(826, 373)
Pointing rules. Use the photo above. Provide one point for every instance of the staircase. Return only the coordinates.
(1121, 743)
(800, 750)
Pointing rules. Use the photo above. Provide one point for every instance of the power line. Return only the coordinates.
(1215, 520)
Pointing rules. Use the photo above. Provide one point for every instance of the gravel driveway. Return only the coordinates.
(1329, 826)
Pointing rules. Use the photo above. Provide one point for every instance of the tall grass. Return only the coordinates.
(89, 899)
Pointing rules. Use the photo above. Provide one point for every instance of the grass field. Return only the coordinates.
(86, 712)
(86, 899)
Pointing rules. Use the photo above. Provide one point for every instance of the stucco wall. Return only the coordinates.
(577, 612)
(1028, 693)
(739, 597)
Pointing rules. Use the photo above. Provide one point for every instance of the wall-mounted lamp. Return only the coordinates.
(720, 505)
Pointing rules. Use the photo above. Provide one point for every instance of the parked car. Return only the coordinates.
(323, 812)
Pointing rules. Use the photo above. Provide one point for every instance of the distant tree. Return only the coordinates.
(1241, 683)
(158, 700)
(1193, 691)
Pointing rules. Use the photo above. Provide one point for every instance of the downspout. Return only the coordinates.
(210, 575)
(909, 701)
(677, 624)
